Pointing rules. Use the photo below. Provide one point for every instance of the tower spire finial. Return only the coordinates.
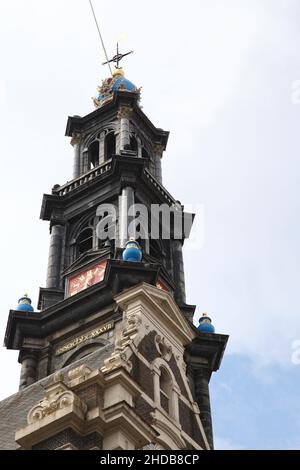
(117, 58)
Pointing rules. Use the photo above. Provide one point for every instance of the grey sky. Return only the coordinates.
(218, 75)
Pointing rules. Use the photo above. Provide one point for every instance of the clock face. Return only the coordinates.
(87, 278)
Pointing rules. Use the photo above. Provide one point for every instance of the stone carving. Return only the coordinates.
(76, 139)
(57, 377)
(152, 446)
(158, 149)
(123, 339)
(129, 332)
(81, 373)
(105, 92)
(83, 338)
(58, 397)
(115, 361)
(125, 112)
(164, 349)
(118, 357)
(134, 319)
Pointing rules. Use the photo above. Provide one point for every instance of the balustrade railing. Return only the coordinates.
(99, 170)
(89, 176)
(160, 188)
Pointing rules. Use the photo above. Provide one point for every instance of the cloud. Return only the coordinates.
(222, 443)
(3, 92)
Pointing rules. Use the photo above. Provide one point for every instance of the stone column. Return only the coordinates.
(126, 200)
(102, 148)
(156, 382)
(178, 272)
(201, 381)
(139, 142)
(85, 161)
(157, 156)
(175, 402)
(124, 114)
(55, 256)
(75, 142)
(28, 361)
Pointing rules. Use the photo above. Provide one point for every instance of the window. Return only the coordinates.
(110, 145)
(94, 154)
(165, 386)
(145, 153)
(85, 241)
(166, 390)
(133, 144)
(103, 224)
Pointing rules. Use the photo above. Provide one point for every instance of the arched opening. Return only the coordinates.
(83, 352)
(133, 144)
(94, 154)
(145, 153)
(165, 385)
(103, 224)
(85, 241)
(109, 145)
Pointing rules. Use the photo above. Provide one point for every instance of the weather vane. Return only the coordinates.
(117, 58)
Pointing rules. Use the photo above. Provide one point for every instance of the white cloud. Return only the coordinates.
(2, 92)
(222, 443)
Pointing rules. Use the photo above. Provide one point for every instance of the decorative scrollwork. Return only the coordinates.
(164, 349)
(58, 397)
(123, 339)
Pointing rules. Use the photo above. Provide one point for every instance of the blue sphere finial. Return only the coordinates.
(205, 325)
(132, 252)
(105, 92)
(24, 304)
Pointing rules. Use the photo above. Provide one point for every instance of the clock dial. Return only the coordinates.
(87, 278)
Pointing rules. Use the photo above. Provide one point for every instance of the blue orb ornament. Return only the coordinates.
(123, 84)
(24, 304)
(132, 252)
(205, 325)
(105, 92)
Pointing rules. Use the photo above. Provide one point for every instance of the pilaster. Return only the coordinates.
(75, 142)
(124, 115)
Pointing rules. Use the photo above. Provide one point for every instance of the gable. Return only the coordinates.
(158, 307)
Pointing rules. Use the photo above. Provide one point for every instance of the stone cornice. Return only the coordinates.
(85, 303)
(77, 124)
(210, 348)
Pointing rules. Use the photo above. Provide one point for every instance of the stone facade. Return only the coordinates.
(118, 405)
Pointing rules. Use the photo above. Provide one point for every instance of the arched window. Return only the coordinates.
(94, 154)
(109, 145)
(165, 388)
(145, 153)
(84, 241)
(103, 223)
(133, 144)
(83, 352)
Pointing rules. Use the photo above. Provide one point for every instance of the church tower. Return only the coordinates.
(111, 359)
